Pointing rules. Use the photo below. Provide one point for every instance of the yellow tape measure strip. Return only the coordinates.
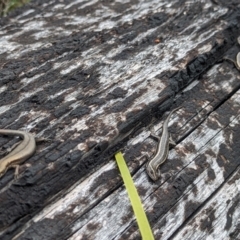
(138, 210)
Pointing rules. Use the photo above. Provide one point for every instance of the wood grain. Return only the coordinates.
(98, 76)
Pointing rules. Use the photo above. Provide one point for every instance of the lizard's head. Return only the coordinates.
(151, 173)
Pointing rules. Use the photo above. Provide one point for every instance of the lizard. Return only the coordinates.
(237, 61)
(162, 150)
(19, 154)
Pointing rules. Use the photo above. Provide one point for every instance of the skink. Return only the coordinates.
(237, 61)
(162, 150)
(22, 152)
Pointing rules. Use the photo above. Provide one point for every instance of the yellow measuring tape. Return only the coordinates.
(138, 210)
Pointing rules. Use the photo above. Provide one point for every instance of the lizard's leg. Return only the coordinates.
(171, 141)
(9, 149)
(156, 137)
(16, 173)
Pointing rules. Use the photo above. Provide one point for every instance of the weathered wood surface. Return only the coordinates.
(91, 76)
